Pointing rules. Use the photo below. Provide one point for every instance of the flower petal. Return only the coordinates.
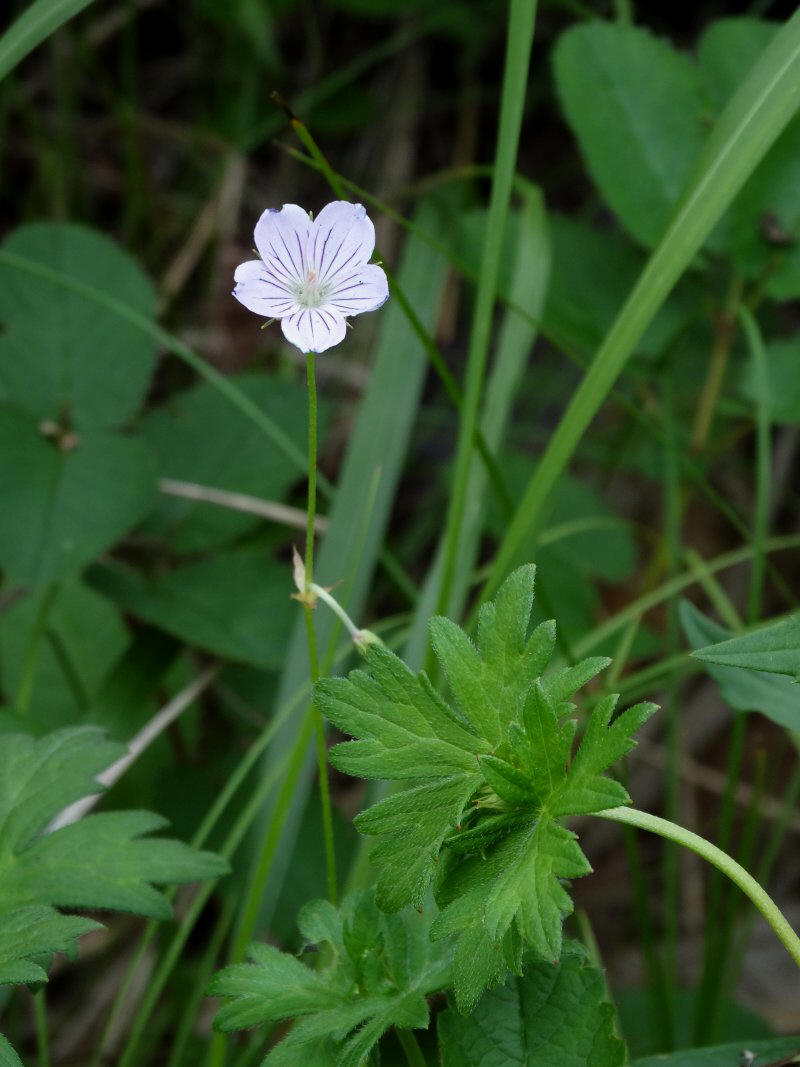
(342, 238)
(364, 290)
(252, 271)
(314, 329)
(255, 289)
(281, 239)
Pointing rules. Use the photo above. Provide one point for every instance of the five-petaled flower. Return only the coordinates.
(312, 275)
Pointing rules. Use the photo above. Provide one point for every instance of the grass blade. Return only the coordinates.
(750, 123)
(33, 26)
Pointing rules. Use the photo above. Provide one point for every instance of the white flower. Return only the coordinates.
(312, 275)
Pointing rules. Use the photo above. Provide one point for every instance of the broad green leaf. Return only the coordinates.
(83, 638)
(727, 51)
(62, 357)
(30, 28)
(764, 222)
(593, 271)
(195, 439)
(61, 508)
(774, 695)
(634, 104)
(769, 1053)
(234, 604)
(758, 112)
(487, 780)
(376, 974)
(553, 1014)
(773, 649)
(99, 862)
(8, 1057)
(783, 393)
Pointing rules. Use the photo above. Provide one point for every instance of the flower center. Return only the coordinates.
(311, 293)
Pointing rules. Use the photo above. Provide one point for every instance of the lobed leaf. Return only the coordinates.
(378, 975)
(487, 780)
(98, 862)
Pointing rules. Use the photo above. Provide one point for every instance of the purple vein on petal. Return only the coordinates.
(343, 265)
(283, 266)
(326, 275)
(321, 266)
(298, 273)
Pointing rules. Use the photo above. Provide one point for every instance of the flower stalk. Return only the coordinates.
(307, 601)
(721, 860)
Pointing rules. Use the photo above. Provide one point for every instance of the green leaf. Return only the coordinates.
(62, 357)
(634, 104)
(593, 271)
(229, 604)
(750, 123)
(774, 695)
(783, 392)
(30, 28)
(766, 1052)
(8, 1057)
(179, 433)
(84, 636)
(376, 973)
(35, 931)
(99, 862)
(487, 780)
(774, 649)
(727, 50)
(62, 508)
(764, 222)
(553, 1014)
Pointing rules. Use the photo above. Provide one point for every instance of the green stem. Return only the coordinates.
(410, 1046)
(319, 728)
(719, 859)
(672, 532)
(718, 361)
(249, 916)
(656, 987)
(243, 823)
(200, 977)
(40, 1013)
(522, 17)
(675, 585)
(762, 486)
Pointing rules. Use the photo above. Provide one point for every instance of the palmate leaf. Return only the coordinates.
(98, 862)
(379, 970)
(488, 779)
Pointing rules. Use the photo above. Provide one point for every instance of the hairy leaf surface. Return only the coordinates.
(488, 779)
(101, 861)
(555, 1015)
(377, 973)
